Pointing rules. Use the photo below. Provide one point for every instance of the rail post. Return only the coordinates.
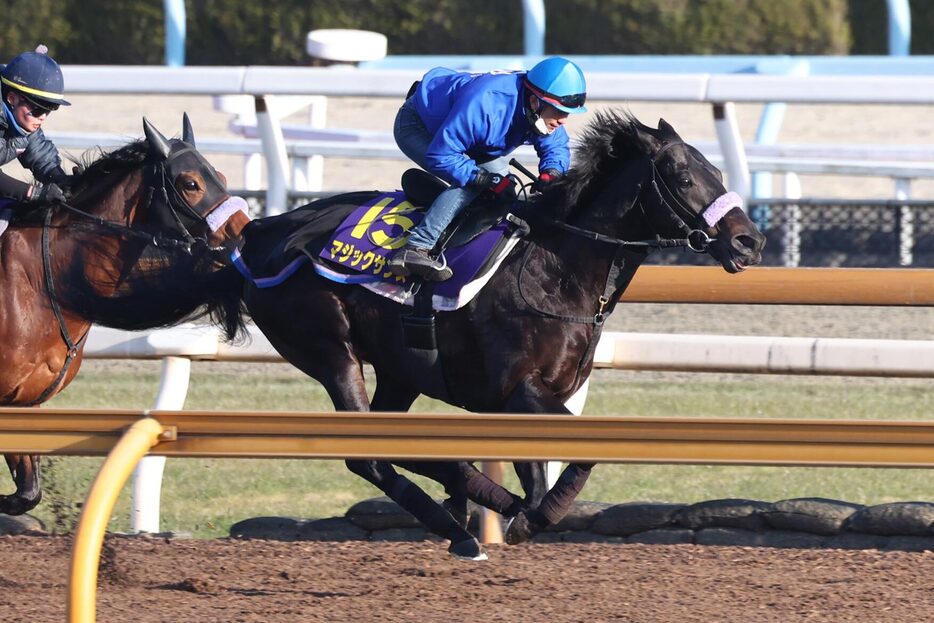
(89, 536)
(147, 477)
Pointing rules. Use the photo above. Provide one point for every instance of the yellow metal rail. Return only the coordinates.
(480, 437)
(790, 286)
(128, 435)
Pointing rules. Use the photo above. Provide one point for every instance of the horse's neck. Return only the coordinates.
(614, 213)
(81, 238)
(117, 198)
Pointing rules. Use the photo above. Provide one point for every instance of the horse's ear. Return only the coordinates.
(188, 135)
(643, 138)
(157, 143)
(667, 132)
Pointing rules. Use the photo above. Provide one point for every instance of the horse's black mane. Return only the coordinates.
(98, 164)
(609, 140)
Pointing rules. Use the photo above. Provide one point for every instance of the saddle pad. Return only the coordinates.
(371, 234)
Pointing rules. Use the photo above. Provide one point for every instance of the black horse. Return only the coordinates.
(525, 343)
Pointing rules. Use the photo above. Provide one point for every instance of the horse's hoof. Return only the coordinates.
(467, 549)
(520, 529)
(14, 505)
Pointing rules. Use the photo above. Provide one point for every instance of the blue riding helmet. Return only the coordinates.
(559, 82)
(37, 77)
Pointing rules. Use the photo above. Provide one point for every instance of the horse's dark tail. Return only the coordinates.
(162, 289)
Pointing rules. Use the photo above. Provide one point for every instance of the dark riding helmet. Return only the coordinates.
(559, 82)
(37, 77)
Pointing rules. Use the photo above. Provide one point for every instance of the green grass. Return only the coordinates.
(206, 496)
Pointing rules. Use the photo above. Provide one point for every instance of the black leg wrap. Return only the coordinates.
(487, 493)
(407, 495)
(557, 502)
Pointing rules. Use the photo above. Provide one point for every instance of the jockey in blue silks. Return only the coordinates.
(463, 126)
(32, 87)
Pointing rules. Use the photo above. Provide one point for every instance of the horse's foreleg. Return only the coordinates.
(534, 480)
(531, 396)
(555, 505)
(488, 493)
(406, 494)
(25, 471)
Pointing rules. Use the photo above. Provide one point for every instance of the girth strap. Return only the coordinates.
(420, 355)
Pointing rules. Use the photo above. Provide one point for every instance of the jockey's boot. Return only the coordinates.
(415, 261)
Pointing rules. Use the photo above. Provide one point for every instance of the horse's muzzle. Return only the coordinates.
(744, 250)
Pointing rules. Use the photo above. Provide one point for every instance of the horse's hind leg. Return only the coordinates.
(448, 474)
(407, 495)
(25, 471)
(395, 396)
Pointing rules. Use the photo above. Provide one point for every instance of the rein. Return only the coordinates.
(656, 243)
(696, 240)
(158, 240)
(73, 347)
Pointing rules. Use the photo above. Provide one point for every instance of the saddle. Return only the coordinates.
(349, 239)
(422, 188)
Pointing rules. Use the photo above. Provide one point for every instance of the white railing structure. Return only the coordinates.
(178, 347)
(721, 91)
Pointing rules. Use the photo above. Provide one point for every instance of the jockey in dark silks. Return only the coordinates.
(32, 87)
(463, 126)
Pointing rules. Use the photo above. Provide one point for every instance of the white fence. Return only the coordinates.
(721, 91)
(616, 350)
(178, 347)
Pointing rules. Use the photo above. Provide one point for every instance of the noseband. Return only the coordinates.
(677, 214)
(183, 215)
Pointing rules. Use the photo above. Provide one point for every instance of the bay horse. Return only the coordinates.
(143, 205)
(524, 343)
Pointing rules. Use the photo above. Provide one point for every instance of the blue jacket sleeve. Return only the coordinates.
(553, 151)
(41, 157)
(467, 126)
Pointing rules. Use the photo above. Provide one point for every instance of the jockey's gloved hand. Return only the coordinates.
(501, 187)
(46, 192)
(546, 178)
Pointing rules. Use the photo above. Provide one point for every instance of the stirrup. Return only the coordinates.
(442, 273)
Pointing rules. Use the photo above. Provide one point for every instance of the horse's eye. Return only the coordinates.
(190, 185)
(685, 182)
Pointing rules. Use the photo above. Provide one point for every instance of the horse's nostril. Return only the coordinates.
(747, 244)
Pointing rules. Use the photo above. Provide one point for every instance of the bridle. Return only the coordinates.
(670, 213)
(182, 240)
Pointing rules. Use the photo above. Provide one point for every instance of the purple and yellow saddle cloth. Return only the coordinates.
(361, 247)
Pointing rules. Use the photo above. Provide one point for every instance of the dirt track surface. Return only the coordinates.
(152, 580)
